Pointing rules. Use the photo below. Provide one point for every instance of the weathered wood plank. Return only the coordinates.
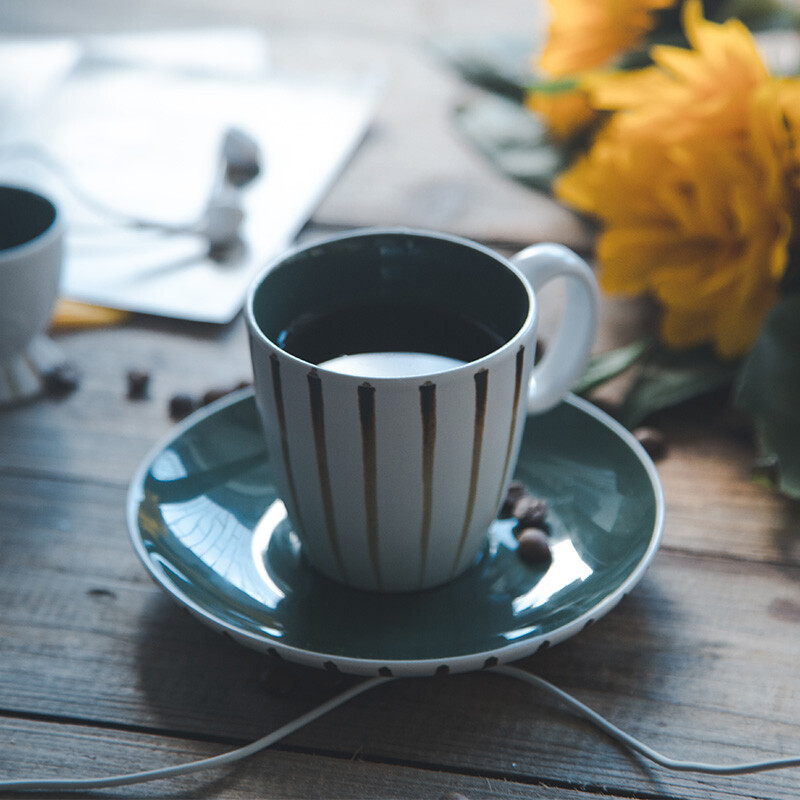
(92, 752)
(701, 660)
(712, 504)
(96, 433)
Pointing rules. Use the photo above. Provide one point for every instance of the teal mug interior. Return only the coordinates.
(392, 290)
(24, 217)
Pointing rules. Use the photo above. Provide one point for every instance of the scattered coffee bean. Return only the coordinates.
(533, 546)
(138, 384)
(181, 405)
(222, 391)
(653, 441)
(516, 491)
(102, 594)
(214, 394)
(530, 511)
(61, 380)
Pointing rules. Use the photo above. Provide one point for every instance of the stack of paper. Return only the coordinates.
(134, 125)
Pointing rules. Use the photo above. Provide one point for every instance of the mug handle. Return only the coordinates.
(567, 354)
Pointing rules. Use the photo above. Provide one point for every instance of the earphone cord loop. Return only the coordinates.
(38, 154)
(34, 152)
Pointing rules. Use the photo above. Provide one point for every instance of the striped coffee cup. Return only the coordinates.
(393, 371)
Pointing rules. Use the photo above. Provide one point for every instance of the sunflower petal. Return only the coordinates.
(696, 181)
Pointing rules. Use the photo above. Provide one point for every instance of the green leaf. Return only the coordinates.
(501, 64)
(553, 87)
(768, 388)
(605, 366)
(757, 15)
(513, 139)
(670, 377)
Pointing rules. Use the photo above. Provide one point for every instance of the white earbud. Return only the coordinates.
(221, 224)
(240, 164)
(241, 157)
(222, 218)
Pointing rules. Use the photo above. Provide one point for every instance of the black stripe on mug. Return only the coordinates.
(481, 391)
(519, 369)
(369, 458)
(280, 411)
(427, 406)
(318, 428)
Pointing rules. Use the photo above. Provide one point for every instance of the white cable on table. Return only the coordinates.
(73, 784)
(634, 744)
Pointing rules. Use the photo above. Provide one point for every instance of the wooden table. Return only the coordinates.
(102, 673)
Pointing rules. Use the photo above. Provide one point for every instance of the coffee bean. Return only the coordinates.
(215, 394)
(61, 380)
(515, 492)
(222, 391)
(533, 546)
(181, 405)
(138, 384)
(653, 441)
(530, 511)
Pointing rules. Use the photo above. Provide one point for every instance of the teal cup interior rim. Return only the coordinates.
(26, 219)
(370, 266)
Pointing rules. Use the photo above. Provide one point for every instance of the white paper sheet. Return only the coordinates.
(144, 140)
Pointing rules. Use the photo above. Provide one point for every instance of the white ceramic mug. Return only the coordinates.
(31, 251)
(393, 371)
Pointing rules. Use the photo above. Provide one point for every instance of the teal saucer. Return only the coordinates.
(207, 522)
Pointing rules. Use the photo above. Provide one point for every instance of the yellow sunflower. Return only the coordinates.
(687, 93)
(585, 35)
(695, 179)
(566, 112)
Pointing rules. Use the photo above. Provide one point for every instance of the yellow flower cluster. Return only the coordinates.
(585, 36)
(695, 178)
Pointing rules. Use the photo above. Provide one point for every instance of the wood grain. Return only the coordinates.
(697, 660)
(286, 773)
(101, 672)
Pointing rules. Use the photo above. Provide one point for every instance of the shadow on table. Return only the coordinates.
(198, 682)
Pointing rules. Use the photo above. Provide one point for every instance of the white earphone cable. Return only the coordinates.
(240, 163)
(39, 155)
(74, 784)
(634, 744)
